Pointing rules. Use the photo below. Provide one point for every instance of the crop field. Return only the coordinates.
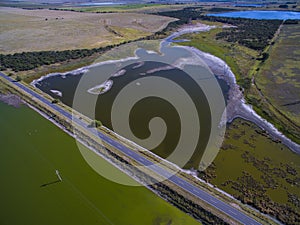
(32, 149)
(36, 30)
(264, 173)
(279, 77)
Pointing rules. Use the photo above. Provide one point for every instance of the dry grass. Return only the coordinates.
(140, 8)
(36, 30)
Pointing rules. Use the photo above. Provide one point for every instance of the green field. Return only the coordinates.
(32, 149)
(279, 81)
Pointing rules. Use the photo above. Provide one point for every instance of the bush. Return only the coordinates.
(18, 78)
(55, 101)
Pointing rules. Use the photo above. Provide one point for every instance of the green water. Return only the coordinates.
(32, 149)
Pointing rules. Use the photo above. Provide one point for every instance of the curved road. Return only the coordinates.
(204, 196)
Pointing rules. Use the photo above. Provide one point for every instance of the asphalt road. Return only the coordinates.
(218, 204)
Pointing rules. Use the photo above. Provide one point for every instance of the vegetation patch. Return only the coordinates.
(254, 34)
(141, 8)
(265, 174)
(239, 58)
(278, 81)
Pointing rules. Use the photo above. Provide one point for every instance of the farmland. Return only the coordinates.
(139, 8)
(40, 30)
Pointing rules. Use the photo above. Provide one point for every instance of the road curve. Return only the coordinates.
(187, 186)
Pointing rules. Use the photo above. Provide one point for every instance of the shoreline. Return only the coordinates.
(236, 105)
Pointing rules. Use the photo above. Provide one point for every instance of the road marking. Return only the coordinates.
(195, 190)
(232, 212)
(180, 182)
(214, 201)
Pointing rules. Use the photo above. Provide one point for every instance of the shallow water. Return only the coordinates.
(32, 148)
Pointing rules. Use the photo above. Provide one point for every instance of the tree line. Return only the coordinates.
(31, 60)
(251, 33)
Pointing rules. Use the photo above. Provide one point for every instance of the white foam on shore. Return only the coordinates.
(82, 69)
(73, 72)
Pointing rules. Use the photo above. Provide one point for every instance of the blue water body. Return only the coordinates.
(101, 3)
(260, 14)
(249, 5)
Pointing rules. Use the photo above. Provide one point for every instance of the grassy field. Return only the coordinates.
(263, 172)
(279, 78)
(32, 149)
(239, 58)
(35, 30)
(141, 8)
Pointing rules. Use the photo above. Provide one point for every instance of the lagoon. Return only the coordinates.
(143, 100)
(261, 14)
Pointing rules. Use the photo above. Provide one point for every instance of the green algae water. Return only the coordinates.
(32, 149)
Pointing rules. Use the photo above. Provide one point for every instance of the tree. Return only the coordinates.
(283, 6)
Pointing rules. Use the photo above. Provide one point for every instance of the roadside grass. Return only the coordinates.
(36, 30)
